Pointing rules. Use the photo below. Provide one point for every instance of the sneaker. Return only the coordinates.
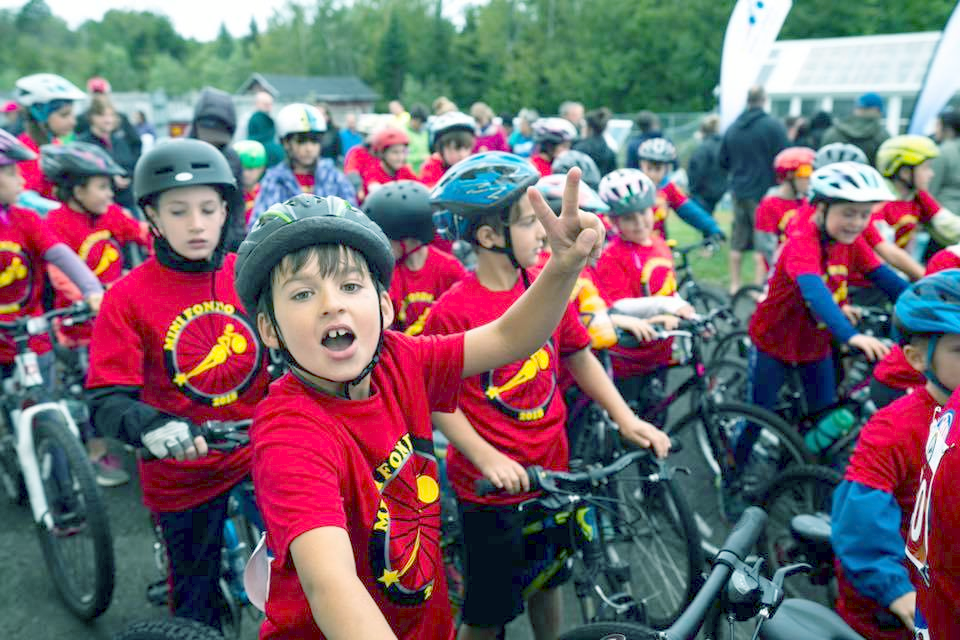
(110, 471)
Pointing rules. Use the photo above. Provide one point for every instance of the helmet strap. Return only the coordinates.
(929, 373)
(909, 184)
(507, 250)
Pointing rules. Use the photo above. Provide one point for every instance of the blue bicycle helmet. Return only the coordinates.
(930, 306)
(484, 184)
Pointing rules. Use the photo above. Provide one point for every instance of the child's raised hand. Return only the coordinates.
(575, 236)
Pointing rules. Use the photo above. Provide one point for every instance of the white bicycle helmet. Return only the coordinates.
(848, 182)
(555, 130)
(626, 191)
(299, 118)
(657, 150)
(41, 88)
(447, 122)
(838, 152)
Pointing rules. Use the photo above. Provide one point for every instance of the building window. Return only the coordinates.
(809, 106)
(842, 107)
(780, 107)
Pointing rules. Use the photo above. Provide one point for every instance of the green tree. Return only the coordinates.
(224, 43)
(392, 58)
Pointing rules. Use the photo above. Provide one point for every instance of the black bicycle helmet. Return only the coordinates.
(573, 158)
(68, 164)
(302, 221)
(402, 210)
(182, 162)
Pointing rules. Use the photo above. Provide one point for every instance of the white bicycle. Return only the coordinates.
(43, 462)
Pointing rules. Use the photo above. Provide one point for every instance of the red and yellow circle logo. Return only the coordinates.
(523, 390)
(212, 353)
(102, 253)
(16, 283)
(658, 277)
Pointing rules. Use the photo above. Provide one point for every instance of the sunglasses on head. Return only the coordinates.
(304, 138)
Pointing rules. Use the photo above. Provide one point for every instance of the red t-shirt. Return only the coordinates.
(543, 166)
(935, 527)
(374, 174)
(888, 457)
(357, 159)
(23, 242)
(182, 339)
(368, 467)
(775, 213)
(33, 177)
(516, 408)
(630, 270)
(669, 198)
(944, 259)
(782, 326)
(306, 181)
(414, 292)
(249, 199)
(905, 215)
(432, 170)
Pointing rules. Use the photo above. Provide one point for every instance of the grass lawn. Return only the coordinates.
(713, 269)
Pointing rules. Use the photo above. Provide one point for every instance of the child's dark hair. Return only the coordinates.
(498, 221)
(458, 139)
(331, 259)
(64, 189)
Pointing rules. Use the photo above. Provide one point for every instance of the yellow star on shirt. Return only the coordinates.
(389, 578)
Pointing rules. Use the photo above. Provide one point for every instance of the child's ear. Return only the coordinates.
(916, 355)
(268, 333)
(386, 308)
(487, 236)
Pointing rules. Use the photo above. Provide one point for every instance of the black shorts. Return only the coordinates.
(499, 562)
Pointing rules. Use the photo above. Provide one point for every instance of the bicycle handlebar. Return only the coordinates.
(26, 326)
(688, 328)
(734, 550)
(221, 435)
(575, 482)
(710, 242)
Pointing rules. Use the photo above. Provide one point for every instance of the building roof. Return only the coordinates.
(326, 88)
(885, 64)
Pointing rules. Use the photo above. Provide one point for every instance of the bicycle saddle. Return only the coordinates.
(805, 620)
(813, 529)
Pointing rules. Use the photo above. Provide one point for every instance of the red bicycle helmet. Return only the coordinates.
(792, 159)
(387, 137)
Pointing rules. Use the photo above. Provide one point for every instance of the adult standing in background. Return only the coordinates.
(648, 126)
(399, 113)
(707, 179)
(419, 148)
(521, 140)
(819, 123)
(594, 144)
(574, 112)
(747, 152)
(443, 105)
(349, 136)
(146, 131)
(103, 131)
(97, 86)
(489, 134)
(261, 127)
(330, 144)
(945, 186)
(864, 129)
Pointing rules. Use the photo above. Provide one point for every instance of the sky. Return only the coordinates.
(198, 19)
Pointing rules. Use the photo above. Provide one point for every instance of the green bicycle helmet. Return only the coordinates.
(182, 163)
(253, 155)
(303, 221)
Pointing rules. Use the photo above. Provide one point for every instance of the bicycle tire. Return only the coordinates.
(804, 489)
(11, 479)
(660, 543)
(704, 299)
(169, 629)
(744, 301)
(727, 380)
(734, 346)
(80, 513)
(610, 631)
(779, 444)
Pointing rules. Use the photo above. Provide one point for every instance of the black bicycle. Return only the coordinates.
(703, 299)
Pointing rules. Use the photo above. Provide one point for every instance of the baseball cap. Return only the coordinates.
(870, 101)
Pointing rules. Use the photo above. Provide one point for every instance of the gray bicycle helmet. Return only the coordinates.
(657, 150)
(402, 210)
(570, 159)
(838, 152)
(68, 164)
(303, 221)
(182, 163)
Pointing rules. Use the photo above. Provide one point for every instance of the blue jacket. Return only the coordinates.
(279, 184)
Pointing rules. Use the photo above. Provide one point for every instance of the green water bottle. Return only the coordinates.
(831, 428)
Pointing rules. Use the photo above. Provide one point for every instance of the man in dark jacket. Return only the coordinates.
(215, 122)
(708, 181)
(648, 126)
(747, 152)
(864, 129)
(261, 128)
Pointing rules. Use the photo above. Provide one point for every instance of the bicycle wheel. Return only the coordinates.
(705, 299)
(658, 541)
(727, 380)
(11, 480)
(75, 534)
(744, 301)
(707, 435)
(610, 631)
(168, 629)
(804, 489)
(734, 347)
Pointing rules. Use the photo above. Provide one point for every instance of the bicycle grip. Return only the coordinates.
(483, 487)
(626, 339)
(745, 533)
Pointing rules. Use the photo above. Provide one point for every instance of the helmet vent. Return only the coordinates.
(199, 165)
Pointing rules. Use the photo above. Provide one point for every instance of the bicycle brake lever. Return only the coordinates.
(783, 572)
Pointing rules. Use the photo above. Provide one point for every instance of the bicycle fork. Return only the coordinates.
(29, 465)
